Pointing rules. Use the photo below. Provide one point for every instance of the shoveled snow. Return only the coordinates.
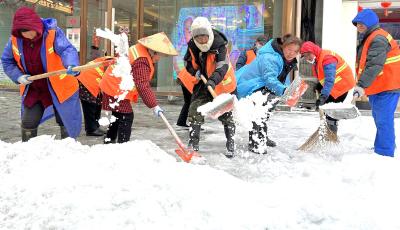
(215, 104)
(62, 184)
(338, 105)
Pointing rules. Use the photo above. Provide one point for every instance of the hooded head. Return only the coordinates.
(26, 19)
(366, 17)
(201, 28)
(310, 51)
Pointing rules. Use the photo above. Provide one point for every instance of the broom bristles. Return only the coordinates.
(319, 138)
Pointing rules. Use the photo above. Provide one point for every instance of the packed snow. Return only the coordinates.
(62, 184)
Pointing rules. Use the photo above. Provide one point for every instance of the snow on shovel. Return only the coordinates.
(341, 111)
(293, 93)
(220, 105)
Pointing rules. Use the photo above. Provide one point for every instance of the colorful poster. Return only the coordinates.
(241, 25)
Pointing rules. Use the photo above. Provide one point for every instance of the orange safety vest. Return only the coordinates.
(110, 83)
(388, 79)
(91, 78)
(63, 85)
(227, 85)
(250, 56)
(344, 78)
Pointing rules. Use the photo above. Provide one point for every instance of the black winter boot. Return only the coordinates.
(194, 137)
(64, 133)
(230, 142)
(111, 136)
(256, 140)
(125, 127)
(27, 134)
(270, 143)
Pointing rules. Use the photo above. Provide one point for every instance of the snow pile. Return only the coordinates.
(61, 184)
(338, 105)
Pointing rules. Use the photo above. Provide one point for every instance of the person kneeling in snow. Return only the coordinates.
(207, 55)
(142, 57)
(38, 46)
(268, 74)
(335, 77)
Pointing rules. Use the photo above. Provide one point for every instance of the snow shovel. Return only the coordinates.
(293, 93)
(341, 111)
(184, 153)
(220, 105)
(77, 68)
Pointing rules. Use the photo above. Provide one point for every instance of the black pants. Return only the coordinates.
(91, 113)
(31, 117)
(185, 108)
(120, 128)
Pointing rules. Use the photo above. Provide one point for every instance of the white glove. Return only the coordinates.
(157, 110)
(358, 92)
(23, 79)
(197, 75)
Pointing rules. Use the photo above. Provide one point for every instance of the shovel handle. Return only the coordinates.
(77, 68)
(210, 89)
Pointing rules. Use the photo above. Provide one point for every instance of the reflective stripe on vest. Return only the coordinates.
(344, 78)
(388, 78)
(64, 86)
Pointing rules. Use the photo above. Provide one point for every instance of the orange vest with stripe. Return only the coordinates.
(110, 83)
(250, 56)
(64, 86)
(227, 85)
(91, 78)
(344, 78)
(389, 78)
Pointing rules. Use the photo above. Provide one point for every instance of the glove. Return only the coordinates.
(358, 91)
(321, 100)
(23, 79)
(71, 72)
(197, 75)
(157, 110)
(210, 83)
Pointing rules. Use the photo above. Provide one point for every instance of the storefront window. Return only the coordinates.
(240, 21)
(125, 17)
(96, 19)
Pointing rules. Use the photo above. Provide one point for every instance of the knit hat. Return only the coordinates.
(367, 17)
(201, 26)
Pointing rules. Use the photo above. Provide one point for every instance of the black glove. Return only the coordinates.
(210, 83)
(321, 100)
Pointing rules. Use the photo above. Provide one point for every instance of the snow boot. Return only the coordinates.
(27, 134)
(63, 132)
(256, 142)
(194, 137)
(230, 142)
(112, 132)
(270, 143)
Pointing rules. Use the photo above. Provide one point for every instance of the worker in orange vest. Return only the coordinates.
(142, 57)
(38, 46)
(335, 77)
(247, 56)
(91, 97)
(207, 55)
(378, 70)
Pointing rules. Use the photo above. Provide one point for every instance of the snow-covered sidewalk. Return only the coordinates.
(62, 184)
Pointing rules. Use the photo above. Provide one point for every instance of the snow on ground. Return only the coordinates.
(62, 184)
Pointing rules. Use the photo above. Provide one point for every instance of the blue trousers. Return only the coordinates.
(383, 106)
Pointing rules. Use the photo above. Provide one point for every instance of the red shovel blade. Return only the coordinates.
(186, 155)
(294, 98)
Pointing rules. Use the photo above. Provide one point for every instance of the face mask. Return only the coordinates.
(312, 62)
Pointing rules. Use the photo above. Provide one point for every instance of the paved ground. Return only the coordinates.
(145, 125)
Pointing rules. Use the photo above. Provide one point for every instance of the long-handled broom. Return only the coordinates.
(321, 136)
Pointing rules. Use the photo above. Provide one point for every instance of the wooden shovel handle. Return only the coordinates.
(77, 68)
(210, 89)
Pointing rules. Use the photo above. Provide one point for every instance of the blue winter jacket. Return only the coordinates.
(262, 72)
(70, 110)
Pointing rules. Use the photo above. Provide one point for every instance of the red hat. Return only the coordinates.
(310, 47)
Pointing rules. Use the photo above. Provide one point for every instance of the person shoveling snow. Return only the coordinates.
(207, 55)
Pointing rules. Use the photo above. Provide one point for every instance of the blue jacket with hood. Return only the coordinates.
(70, 110)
